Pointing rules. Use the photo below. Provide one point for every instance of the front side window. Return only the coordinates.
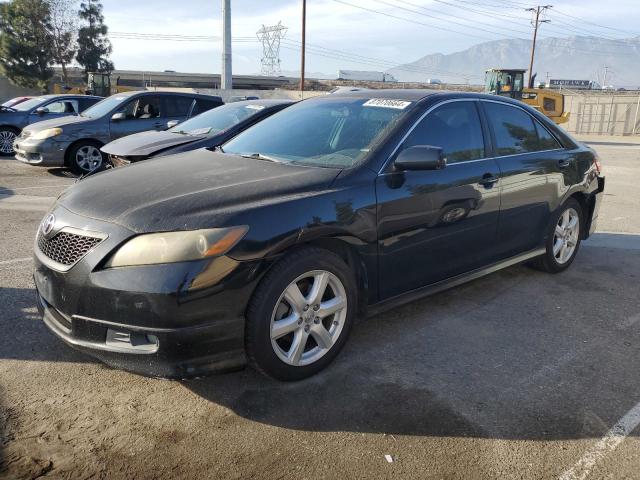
(454, 127)
(31, 103)
(513, 128)
(62, 106)
(142, 108)
(327, 132)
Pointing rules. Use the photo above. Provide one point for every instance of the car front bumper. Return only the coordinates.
(46, 153)
(173, 320)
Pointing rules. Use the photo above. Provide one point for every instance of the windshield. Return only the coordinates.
(331, 132)
(29, 104)
(217, 119)
(103, 107)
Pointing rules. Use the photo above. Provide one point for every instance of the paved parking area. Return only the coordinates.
(516, 375)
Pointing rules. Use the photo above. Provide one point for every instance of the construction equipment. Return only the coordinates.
(510, 83)
(98, 83)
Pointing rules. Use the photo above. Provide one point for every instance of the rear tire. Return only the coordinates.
(85, 157)
(563, 238)
(8, 136)
(300, 315)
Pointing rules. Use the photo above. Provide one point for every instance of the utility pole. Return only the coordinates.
(226, 79)
(304, 34)
(537, 12)
(604, 76)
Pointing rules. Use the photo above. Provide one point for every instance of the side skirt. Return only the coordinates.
(427, 290)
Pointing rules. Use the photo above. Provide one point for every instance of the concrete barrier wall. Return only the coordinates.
(9, 91)
(603, 113)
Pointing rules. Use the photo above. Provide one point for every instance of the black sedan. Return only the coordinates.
(207, 130)
(338, 206)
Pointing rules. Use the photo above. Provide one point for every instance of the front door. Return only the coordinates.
(140, 114)
(436, 224)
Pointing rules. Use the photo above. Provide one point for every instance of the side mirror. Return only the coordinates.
(117, 117)
(420, 157)
(172, 123)
(42, 110)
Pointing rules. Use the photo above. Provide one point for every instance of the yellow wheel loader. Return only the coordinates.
(510, 83)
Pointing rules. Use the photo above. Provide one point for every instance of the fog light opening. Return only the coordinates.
(133, 341)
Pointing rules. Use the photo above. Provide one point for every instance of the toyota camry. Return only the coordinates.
(266, 250)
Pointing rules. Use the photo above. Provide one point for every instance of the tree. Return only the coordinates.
(94, 46)
(64, 31)
(25, 43)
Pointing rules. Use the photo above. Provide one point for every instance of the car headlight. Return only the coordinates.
(170, 247)
(46, 133)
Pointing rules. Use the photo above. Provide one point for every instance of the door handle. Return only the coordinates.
(564, 163)
(488, 179)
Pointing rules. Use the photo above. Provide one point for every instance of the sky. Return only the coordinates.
(341, 34)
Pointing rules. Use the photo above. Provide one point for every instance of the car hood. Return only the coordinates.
(197, 189)
(147, 143)
(57, 122)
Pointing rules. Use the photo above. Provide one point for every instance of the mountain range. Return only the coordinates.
(576, 57)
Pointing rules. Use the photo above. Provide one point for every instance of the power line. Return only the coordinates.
(409, 20)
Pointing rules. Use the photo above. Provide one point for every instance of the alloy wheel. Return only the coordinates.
(7, 138)
(308, 318)
(566, 234)
(88, 158)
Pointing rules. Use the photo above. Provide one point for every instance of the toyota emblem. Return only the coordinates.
(47, 224)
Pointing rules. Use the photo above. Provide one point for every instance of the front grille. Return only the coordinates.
(67, 248)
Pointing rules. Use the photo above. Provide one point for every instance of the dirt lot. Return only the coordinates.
(517, 375)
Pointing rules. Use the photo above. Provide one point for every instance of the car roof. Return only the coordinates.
(65, 95)
(267, 102)
(164, 92)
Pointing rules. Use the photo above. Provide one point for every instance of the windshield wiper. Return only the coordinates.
(259, 156)
(218, 149)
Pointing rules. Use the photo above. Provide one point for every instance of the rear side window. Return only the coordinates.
(547, 141)
(513, 128)
(204, 105)
(177, 106)
(85, 103)
(454, 127)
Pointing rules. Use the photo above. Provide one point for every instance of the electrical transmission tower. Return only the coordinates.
(270, 38)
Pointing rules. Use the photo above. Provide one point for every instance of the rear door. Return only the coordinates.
(436, 224)
(532, 163)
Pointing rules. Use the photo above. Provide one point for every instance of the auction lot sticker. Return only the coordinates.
(386, 103)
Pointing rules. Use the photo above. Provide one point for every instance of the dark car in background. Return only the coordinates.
(75, 142)
(46, 107)
(207, 130)
(340, 205)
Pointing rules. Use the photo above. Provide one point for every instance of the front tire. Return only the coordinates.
(85, 157)
(563, 238)
(300, 316)
(8, 136)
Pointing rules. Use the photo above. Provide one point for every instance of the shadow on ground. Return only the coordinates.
(24, 335)
(61, 172)
(516, 355)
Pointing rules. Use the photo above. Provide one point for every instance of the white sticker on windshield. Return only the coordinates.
(120, 98)
(386, 103)
(255, 107)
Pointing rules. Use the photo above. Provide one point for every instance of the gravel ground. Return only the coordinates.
(516, 375)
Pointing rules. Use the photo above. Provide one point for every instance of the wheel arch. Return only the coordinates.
(587, 204)
(71, 146)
